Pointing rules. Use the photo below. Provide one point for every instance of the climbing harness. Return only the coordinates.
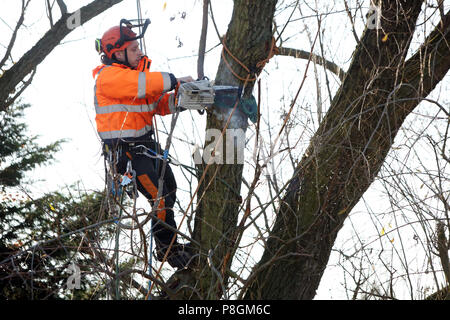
(146, 151)
(117, 183)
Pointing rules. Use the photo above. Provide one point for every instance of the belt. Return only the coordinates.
(149, 136)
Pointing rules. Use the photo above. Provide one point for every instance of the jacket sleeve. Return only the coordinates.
(119, 82)
(166, 104)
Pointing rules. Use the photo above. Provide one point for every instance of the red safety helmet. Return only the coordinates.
(119, 37)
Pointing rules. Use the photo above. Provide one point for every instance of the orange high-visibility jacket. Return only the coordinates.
(126, 100)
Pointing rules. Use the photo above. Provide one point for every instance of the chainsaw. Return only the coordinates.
(200, 94)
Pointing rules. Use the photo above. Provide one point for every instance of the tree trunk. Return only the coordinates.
(346, 153)
(249, 39)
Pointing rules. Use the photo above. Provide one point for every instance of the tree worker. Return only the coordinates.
(126, 97)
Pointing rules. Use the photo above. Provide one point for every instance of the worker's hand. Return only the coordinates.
(185, 79)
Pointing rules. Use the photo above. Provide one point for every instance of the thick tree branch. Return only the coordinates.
(302, 54)
(379, 91)
(31, 59)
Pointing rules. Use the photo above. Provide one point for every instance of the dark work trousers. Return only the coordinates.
(148, 171)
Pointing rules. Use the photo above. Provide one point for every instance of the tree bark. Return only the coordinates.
(346, 153)
(33, 57)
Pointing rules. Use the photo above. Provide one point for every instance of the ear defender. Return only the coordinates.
(98, 45)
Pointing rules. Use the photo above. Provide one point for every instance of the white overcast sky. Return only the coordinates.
(61, 93)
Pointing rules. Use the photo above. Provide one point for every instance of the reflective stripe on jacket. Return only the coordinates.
(126, 100)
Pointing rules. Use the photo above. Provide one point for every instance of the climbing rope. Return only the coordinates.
(273, 51)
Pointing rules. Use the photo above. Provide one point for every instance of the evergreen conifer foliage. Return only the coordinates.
(19, 153)
(36, 252)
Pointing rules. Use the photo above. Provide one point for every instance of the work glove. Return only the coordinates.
(185, 79)
(144, 64)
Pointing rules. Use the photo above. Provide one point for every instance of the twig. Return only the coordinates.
(48, 9)
(351, 21)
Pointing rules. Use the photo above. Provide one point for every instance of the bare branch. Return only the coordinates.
(48, 8)
(30, 60)
(62, 7)
(441, 11)
(14, 35)
(443, 250)
(302, 54)
(202, 46)
(22, 89)
(351, 21)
